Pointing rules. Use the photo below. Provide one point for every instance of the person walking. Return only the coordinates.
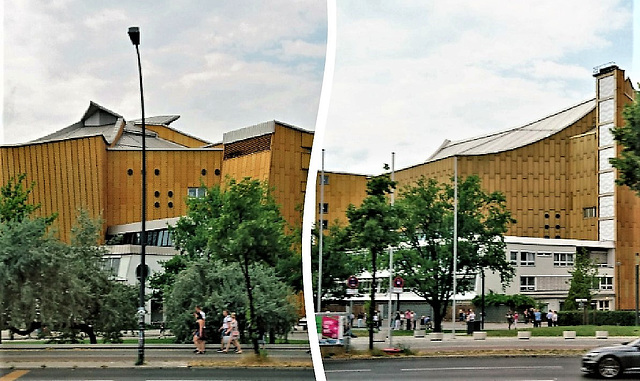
(224, 337)
(234, 334)
(537, 318)
(199, 335)
(554, 318)
(509, 317)
(515, 320)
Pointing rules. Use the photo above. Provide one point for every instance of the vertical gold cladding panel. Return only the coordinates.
(177, 137)
(60, 166)
(531, 186)
(627, 210)
(342, 190)
(582, 175)
(287, 170)
(177, 172)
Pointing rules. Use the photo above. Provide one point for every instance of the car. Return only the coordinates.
(611, 362)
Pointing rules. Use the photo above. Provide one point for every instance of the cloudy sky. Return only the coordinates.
(220, 65)
(410, 74)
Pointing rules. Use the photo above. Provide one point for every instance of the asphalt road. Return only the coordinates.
(457, 368)
(51, 374)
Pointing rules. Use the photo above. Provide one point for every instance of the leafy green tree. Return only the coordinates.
(373, 227)
(337, 264)
(628, 136)
(516, 302)
(427, 217)
(218, 286)
(249, 230)
(584, 278)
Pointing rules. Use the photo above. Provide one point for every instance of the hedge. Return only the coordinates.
(625, 318)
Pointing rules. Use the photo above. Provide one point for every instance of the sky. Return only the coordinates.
(410, 74)
(219, 65)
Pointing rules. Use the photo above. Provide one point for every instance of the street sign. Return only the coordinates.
(398, 282)
(352, 282)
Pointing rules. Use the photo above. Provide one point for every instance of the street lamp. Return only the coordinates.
(134, 35)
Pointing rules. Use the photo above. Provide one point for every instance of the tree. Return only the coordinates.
(249, 230)
(427, 213)
(584, 278)
(337, 264)
(373, 227)
(628, 136)
(219, 286)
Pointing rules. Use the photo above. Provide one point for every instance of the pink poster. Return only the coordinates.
(330, 326)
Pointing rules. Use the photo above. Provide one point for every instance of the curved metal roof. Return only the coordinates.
(515, 137)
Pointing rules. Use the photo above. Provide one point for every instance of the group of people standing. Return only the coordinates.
(229, 332)
(534, 316)
(409, 319)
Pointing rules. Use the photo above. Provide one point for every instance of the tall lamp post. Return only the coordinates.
(134, 35)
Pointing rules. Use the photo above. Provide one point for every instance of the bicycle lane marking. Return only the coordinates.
(14, 375)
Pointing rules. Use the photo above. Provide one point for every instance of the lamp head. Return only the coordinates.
(134, 35)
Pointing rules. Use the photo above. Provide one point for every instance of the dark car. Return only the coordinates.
(610, 362)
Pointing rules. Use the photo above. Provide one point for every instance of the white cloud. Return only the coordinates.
(409, 75)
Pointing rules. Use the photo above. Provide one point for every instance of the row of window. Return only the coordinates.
(159, 237)
(528, 258)
(528, 283)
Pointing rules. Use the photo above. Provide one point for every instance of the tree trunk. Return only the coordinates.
(437, 317)
(252, 316)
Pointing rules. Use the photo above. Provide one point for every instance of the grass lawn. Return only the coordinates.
(581, 330)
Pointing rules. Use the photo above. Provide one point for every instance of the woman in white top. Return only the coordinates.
(234, 334)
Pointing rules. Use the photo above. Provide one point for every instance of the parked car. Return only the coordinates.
(611, 362)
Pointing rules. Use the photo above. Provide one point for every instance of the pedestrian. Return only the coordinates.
(537, 318)
(224, 337)
(413, 320)
(515, 320)
(407, 316)
(550, 318)
(509, 317)
(198, 334)
(397, 321)
(375, 319)
(360, 319)
(234, 334)
(471, 318)
(461, 316)
(201, 312)
(554, 318)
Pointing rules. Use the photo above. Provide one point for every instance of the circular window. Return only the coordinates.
(557, 237)
(170, 193)
(204, 172)
(546, 226)
(217, 172)
(557, 215)
(546, 215)
(557, 226)
(157, 204)
(129, 171)
(156, 171)
(170, 204)
(156, 193)
(546, 236)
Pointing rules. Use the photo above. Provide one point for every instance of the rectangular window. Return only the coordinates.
(603, 305)
(324, 208)
(197, 192)
(325, 224)
(527, 283)
(513, 258)
(544, 254)
(562, 259)
(589, 212)
(324, 180)
(527, 258)
(606, 283)
(111, 265)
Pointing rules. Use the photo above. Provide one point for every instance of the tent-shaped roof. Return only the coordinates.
(515, 137)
